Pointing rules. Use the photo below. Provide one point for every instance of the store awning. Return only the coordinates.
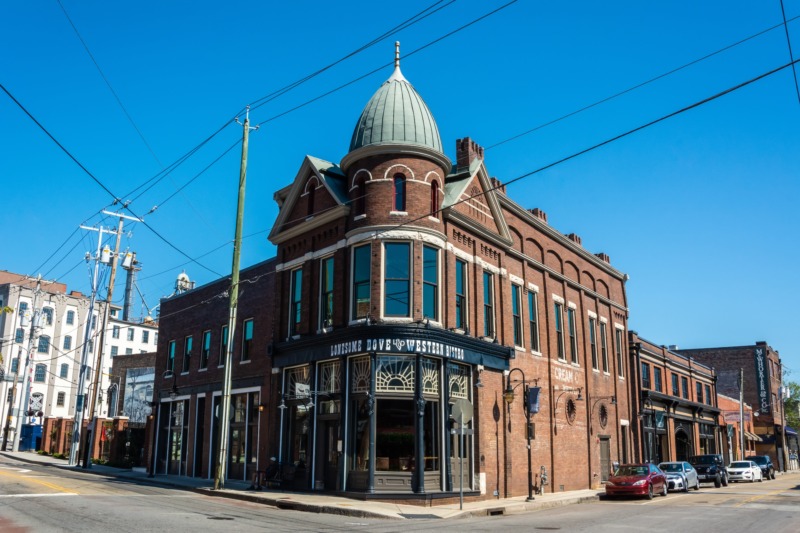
(790, 431)
(752, 436)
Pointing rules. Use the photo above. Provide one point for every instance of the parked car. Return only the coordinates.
(745, 471)
(680, 475)
(710, 468)
(765, 463)
(637, 480)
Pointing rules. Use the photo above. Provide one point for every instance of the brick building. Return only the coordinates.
(760, 365)
(407, 284)
(736, 426)
(189, 370)
(675, 398)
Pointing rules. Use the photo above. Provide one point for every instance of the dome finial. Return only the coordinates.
(397, 54)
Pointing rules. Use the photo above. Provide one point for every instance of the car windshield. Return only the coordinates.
(759, 460)
(632, 471)
(671, 467)
(702, 459)
(741, 464)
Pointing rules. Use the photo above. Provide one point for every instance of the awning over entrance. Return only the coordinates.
(790, 431)
(752, 436)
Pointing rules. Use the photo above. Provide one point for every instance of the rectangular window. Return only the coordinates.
(67, 342)
(516, 314)
(657, 379)
(64, 371)
(115, 332)
(593, 341)
(326, 293)
(39, 374)
(430, 282)
(533, 316)
(685, 387)
(675, 390)
(247, 339)
(645, 376)
(171, 357)
(206, 351)
(70, 318)
(559, 331)
(361, 275)
(699, 387)
(709, 400)
(131, 334)
(397, 279)
(145, 336)
(223, 346)
(60, 399)
(620, 365)
(296, 300)
(44, 344)
(47, 314)
(488, 304)
(461, 295)
(573, 339)
(19, 337)
(187, 353)
(604, 347)
(114, 351)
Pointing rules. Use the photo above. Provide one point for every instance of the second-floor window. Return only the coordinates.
(326, 293)
(145, 336)
(573, 339)
(709, 400)
(60, 399)
(397, 279)
(114, 351)
(618, 346)
(657, 379)
(461, 294)
(171, 357)
(603, 346)
(131, 334)
(699, 387)
(488, 304)
(206, 350)
(685, 387)
(593, 341)
(44, 344)
(430, 282)
(361, 274)
(188, 343)
(516, 314)
(645, 376)
(295, 300)
(223, 346)
(558, 318)
(115, 332)
(675, 390)
(533, 320)
(39, 375)
(247, 339)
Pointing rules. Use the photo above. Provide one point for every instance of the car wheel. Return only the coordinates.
(772, 476)
(650, 492)
(664, 490)
(685, 485)
(697, 485)
(724, 481)
(717, 482)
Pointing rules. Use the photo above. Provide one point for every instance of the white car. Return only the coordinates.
(680, 475)
(744, 471)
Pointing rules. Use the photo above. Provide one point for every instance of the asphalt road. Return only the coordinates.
(43, 499)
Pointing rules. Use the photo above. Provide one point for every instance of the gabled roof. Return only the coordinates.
(334, 181)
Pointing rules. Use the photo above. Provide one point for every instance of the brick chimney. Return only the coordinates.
(538, 213)
(574, 238)
(497, 184)
(467, 151)
(604, 257)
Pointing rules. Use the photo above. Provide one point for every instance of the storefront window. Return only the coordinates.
(360, 435)
(394, 445)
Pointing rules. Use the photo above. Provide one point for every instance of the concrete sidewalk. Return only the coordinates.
(323, 503)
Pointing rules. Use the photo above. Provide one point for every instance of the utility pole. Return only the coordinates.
(78, 421)
(741, 413)
(87, 457)
(23, 406)
(224, 416)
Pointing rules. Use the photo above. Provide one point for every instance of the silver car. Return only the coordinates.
(680, 475)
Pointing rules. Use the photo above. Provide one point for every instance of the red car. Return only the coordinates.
(637, 480)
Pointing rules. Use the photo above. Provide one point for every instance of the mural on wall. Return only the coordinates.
(138, 394)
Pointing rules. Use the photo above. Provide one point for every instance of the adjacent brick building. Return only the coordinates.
(760, 367)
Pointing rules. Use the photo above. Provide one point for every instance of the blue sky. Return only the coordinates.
(698, 209)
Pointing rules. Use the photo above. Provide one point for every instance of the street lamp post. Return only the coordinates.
(508, 396)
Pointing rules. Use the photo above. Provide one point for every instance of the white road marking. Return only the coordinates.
(37, 495)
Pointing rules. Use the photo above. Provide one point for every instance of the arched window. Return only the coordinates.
(435, 199)
(359, 202)
(399, 192)
(310, 189)
(47, 315)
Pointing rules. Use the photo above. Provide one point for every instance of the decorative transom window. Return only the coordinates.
(297, 379)
(430, 376)
(360, 368)
(603, 416)
(572, 410)
(330, 380)
(459, 381)
(395, 374)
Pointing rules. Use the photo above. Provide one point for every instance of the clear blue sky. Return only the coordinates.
(699, 210)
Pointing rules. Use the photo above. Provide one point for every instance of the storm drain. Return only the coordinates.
(495, 512)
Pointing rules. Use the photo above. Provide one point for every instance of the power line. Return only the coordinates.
(791, 55)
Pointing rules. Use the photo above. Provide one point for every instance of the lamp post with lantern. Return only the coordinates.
(530, 402)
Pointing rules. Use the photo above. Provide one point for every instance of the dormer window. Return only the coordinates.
(399, 192)
(310, 189)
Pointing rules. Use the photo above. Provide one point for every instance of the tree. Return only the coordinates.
(791, 405)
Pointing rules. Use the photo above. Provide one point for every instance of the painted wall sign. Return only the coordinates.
(384, 345)
(762, 382)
